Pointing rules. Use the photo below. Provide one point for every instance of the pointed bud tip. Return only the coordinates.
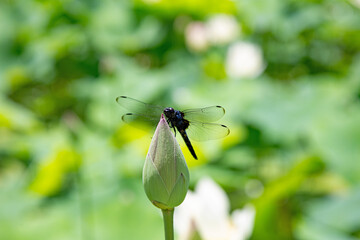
(162, 118)
(163, 122)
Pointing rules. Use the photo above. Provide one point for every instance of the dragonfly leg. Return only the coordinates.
(172, 126)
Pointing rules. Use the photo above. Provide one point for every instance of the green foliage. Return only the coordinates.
(70, 169)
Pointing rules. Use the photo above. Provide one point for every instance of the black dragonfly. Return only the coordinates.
(195, 124)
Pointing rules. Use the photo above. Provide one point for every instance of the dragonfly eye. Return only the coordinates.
(168, 110)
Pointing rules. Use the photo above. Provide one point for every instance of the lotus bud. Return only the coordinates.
(165, 173)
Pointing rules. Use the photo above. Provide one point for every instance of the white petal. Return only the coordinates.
(184, 219)
(243, 221)
(222, 29)
(356, 3)
(244, 60)
(195, 36)
(211, 216)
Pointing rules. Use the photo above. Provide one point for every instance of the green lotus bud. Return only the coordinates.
(165, 173)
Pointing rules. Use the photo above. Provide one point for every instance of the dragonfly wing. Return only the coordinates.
(138, 107)
(199, 131)
(207, 114)
(140, 121)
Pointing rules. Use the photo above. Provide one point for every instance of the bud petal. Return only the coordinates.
(177, 193)
(165, 173)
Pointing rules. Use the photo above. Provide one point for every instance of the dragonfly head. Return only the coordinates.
(169, 112)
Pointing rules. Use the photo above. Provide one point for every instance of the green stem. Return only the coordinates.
(168, 215)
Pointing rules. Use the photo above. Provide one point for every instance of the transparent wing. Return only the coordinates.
(207, 114)
(138, 107)
(140, 121)
(198, 131)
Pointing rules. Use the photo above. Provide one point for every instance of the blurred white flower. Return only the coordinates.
(356, 3)
(196, 37)
(206, 210)
(222, 29)
(219, 29)
(244, 60)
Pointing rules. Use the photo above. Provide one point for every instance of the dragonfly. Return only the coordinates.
(195, 124)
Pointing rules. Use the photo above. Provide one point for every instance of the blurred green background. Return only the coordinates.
(287, 73)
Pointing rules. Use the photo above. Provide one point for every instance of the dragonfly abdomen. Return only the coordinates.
(187, 142)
